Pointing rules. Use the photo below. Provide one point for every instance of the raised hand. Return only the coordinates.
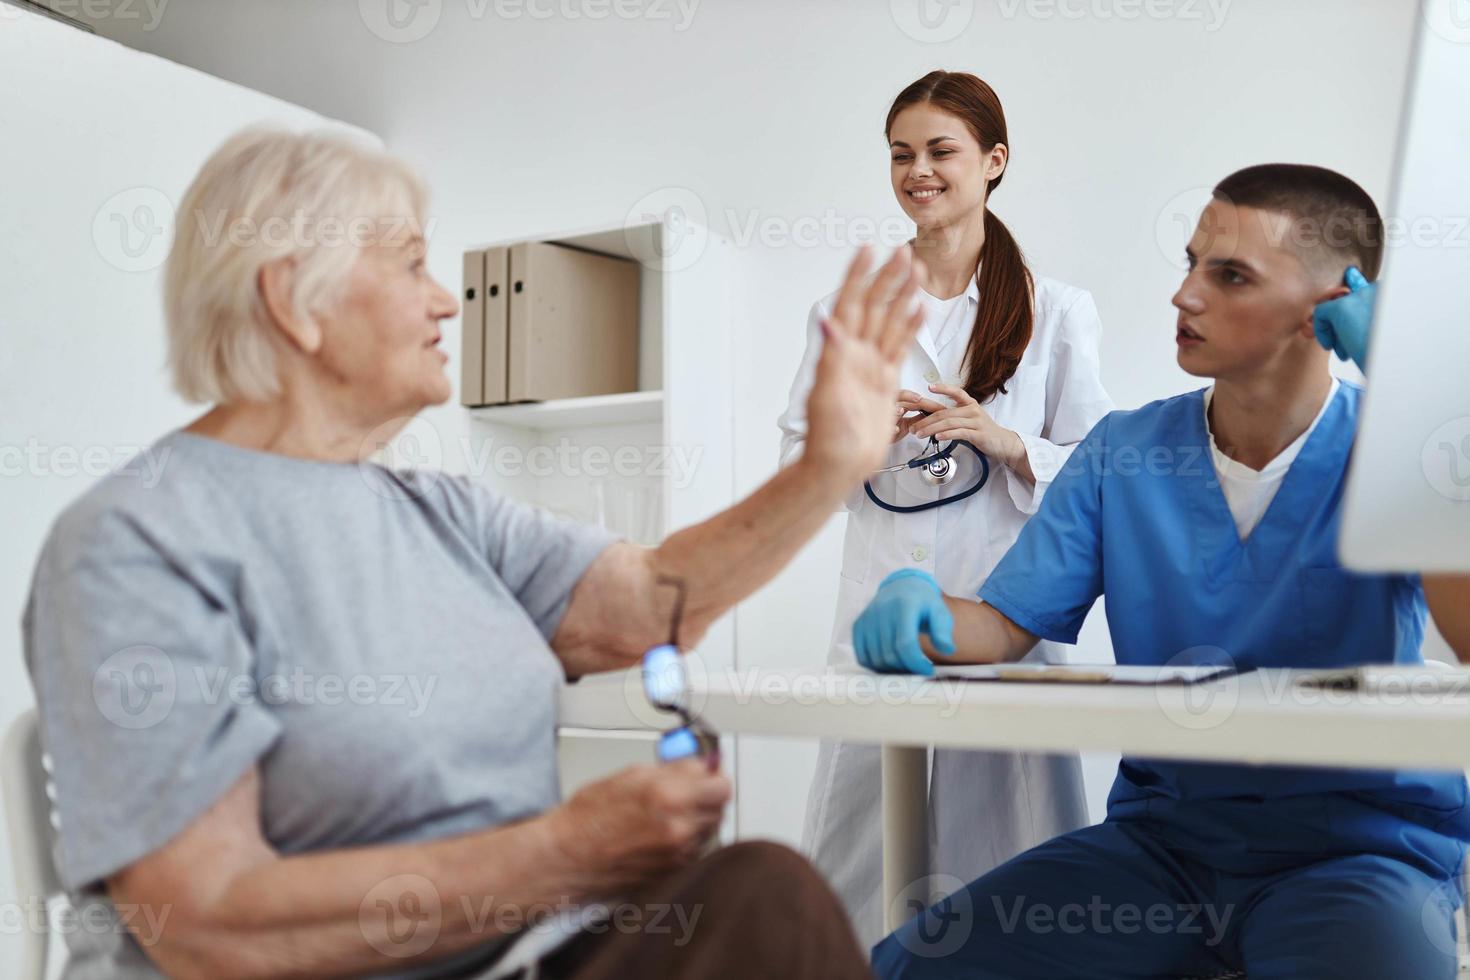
(850, 411)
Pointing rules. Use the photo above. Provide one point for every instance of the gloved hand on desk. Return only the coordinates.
(886, 636)
(1342, 325)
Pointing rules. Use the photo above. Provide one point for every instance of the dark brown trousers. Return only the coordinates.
(751, 910)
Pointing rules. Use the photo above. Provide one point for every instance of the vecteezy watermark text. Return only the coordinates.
(408, 21)
(401, 916)
(36, 458)
(1100, 918)
(1211, 13)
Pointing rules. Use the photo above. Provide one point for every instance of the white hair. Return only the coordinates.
(317, 198)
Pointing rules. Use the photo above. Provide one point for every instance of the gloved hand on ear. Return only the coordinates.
(1343, 324)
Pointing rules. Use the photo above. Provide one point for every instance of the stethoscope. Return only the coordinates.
(937, 468)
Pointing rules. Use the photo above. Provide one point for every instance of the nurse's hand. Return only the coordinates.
(886, 636)
(967, 421)
(1342, 325)
(903, 421)
(873, 322)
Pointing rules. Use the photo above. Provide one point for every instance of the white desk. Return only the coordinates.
(1259, 717)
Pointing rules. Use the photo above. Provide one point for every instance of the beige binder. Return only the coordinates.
(497, 287)
(472, 332)
(573, 324)
(482, 343)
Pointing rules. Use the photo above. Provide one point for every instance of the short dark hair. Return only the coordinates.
(1329, 212)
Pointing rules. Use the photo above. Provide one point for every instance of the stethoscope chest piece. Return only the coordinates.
(937, 468)
(939, 471)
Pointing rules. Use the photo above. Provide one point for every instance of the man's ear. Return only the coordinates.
(277, 282)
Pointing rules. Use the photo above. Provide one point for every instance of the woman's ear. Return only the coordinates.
(277, 284)
(995, 163)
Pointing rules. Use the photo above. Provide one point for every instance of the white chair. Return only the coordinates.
(28, 814)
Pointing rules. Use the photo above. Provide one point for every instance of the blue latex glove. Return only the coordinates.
(886, 636)
(1342, 325)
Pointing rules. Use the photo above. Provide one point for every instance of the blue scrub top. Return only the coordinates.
(1138, 516)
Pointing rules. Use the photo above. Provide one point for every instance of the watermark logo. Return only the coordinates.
(402, 459)
(1450, 19)
(401, 916)
(135, 688)
(666, 229)
(1177, 221)
(401, 21)
(941, 913)
(1437, 916)
(1200, 705)
(932, 21)
(133, 229)
(1446, 459)
(695, 692)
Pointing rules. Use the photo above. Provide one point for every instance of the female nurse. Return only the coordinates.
(1006, 360)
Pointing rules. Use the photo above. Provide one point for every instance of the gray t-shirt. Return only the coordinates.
(376, 642)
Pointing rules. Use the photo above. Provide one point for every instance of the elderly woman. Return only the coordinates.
(243, 788)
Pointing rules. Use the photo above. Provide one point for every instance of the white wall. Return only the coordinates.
(94, 133)
(770, 112)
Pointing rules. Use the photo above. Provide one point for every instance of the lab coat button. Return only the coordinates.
(919, 554)
(932, 377)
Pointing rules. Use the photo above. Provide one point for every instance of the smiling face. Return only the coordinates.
(1246, 304)
(382, 341)
(939, 170)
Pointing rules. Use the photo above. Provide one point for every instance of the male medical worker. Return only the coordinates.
(1209, 522)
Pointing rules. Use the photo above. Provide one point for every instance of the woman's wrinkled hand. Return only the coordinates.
(642, 822)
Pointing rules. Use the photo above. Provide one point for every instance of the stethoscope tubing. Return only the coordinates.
(924, 460)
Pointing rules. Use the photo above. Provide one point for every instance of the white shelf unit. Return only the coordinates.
(654, 460)
(572, 413)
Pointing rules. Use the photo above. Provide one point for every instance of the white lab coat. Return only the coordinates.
(985, 807)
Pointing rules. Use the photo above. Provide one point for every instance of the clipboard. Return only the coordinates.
(1126, 675)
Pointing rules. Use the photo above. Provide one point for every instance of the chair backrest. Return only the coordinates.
(29, 815)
